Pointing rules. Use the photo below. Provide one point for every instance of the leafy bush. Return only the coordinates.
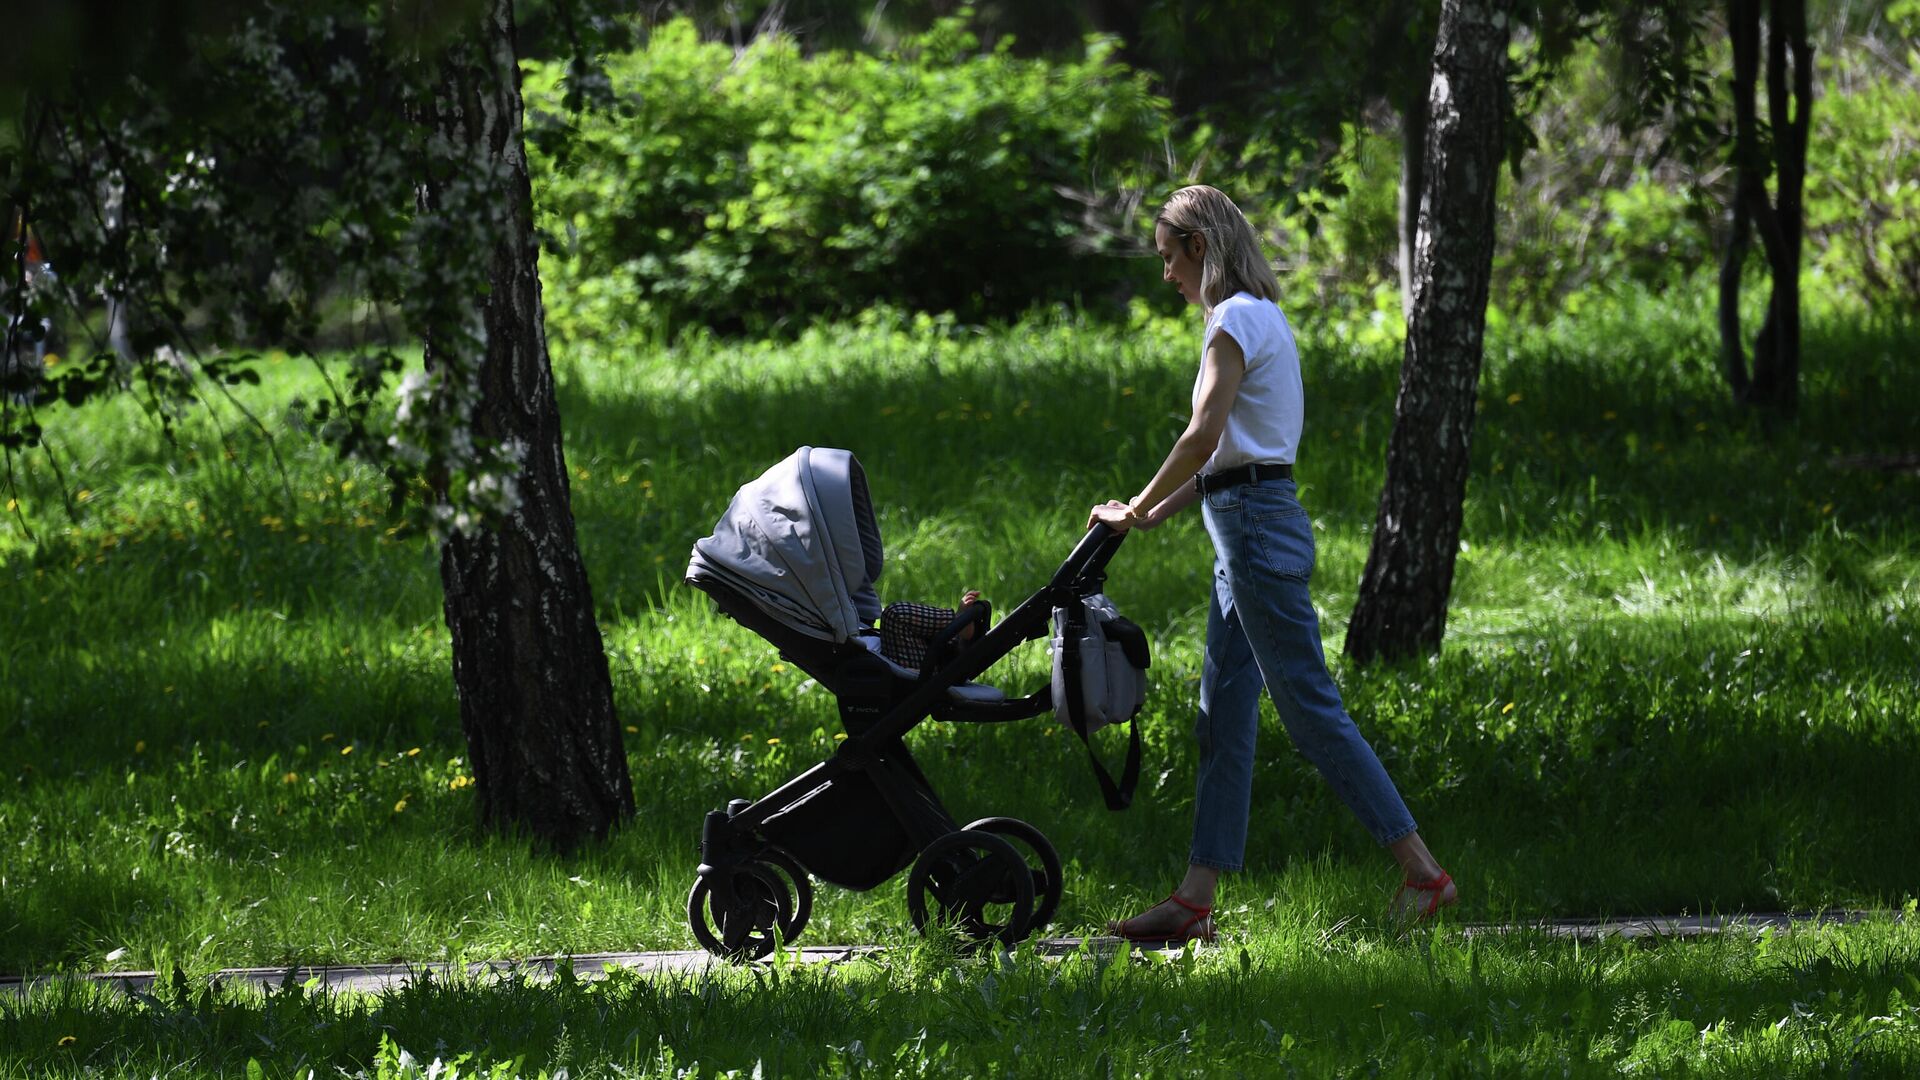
(741, 191)
(1863, 189)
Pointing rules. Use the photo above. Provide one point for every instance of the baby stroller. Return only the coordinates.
(795, 561)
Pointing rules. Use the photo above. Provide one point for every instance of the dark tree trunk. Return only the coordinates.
(1402, 607)
(536, 700)
(1774, 381)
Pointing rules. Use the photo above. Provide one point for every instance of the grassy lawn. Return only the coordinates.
(1680, 676)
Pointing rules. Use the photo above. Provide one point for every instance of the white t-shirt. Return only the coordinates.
(1264, 424)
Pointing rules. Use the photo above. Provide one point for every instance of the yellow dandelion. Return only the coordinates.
(1515, 398)
(773, 742)
(66, 1040)
(1609, 415)
(1713, 519)
(415, 752)
(779, 668)
(399, 806)
(345, 750)
(51, 360)
(328, 737)
(290, 778)
(839, 736)
(1507, 710)
(140, 747)
(1827, 509)
(1126, 391)
(166, 689)
(633, 729)
(582, 474)
(12, 505)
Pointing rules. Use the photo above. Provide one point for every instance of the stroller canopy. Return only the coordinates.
(801, 542)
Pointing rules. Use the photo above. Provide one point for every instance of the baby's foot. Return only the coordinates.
(966, 598)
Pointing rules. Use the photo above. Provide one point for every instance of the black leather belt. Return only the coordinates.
(1244, 474)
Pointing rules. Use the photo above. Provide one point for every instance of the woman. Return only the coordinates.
(1236, 458)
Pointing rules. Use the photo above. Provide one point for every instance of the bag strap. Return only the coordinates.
(1118, 796)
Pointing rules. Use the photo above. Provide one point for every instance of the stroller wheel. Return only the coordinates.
(975, 881)
(1042, 861)
(741, 921)
(801, 891)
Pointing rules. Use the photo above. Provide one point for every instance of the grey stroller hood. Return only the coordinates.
(801, 542)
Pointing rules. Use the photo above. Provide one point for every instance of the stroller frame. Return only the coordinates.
(750, 894)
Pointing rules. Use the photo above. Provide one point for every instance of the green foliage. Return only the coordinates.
(1863, 187)
(740, 192)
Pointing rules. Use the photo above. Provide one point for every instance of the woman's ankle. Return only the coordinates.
(1200, 886)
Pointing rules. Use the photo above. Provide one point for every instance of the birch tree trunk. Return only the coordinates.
(1402, 608)
(536, 699)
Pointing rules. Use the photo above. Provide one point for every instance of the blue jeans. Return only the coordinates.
(1262, 632)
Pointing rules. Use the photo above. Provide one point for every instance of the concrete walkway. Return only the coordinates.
(374, 978)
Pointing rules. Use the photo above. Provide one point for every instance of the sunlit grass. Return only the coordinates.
(1680, 675)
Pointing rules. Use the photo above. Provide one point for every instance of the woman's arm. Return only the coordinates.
(1220, 373)
(1170, 490)
(1183, 496)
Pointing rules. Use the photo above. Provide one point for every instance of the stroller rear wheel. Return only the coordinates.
(977, 882)
(1042, 861)
(741, 922)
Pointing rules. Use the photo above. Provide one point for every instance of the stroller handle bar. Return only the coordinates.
(1090, 555)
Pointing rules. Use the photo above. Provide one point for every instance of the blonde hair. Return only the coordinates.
(1232, 262)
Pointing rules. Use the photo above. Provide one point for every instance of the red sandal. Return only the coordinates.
(1435, 888)
(1198, 927)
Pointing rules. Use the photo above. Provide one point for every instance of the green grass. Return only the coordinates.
(1680, 675)
(1301, 997)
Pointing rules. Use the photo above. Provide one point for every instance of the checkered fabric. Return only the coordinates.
(906, 629)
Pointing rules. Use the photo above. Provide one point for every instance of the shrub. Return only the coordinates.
(744, 191)
(1863, 189)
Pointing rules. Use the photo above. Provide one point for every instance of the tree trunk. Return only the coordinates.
(1774, 383)
(1402, 608)
(536, 699)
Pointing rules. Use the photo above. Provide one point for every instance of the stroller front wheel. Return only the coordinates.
(739, 918)
(801, 891)
(976, 882)
(1043, 863)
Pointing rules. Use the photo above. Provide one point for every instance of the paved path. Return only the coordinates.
(374, 978)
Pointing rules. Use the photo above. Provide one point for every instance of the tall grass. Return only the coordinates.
(1680, 674)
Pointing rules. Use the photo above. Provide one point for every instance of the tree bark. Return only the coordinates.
(1774, 382)
(1413, 160)
(536, 698)
(1402, 607)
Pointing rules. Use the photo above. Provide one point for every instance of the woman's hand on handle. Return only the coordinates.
(1115, 515)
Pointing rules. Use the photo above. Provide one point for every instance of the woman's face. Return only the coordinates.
(1180, 260)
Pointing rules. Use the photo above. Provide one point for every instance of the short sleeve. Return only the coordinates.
(1237, 317)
